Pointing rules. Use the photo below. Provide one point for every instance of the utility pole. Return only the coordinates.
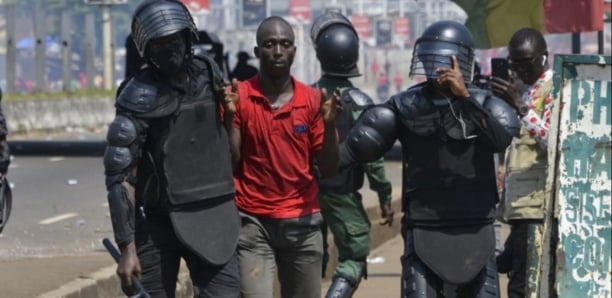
(66, 50)
(11, 51)
(40, 48)
(107, 40)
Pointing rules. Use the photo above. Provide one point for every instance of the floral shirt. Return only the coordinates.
(537, 119)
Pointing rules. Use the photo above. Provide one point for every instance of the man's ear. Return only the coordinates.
(256, 51)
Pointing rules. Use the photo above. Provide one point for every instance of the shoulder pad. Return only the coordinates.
(373, 135)
(213, 70)
(504, 113)
(412, 103)
(480, 95)
(356, 97)
(143, 98)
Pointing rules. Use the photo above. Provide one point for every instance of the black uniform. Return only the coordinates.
(449, 188)
(169, 142)
(5, 160)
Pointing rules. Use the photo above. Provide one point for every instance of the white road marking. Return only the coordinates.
(56, 159)
(104, 204)
(57, 218)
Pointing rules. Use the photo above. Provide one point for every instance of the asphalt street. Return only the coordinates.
(59, 207)
(60, 215)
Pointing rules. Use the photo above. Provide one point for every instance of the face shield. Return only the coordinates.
(429, 55)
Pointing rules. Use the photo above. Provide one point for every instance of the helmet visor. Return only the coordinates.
(430, 55)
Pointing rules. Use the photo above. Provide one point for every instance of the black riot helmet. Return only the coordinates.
(337, 45)
(159, 18)
(437, 44)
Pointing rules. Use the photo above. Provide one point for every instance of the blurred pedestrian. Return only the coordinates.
(398, 80)
(243, 70)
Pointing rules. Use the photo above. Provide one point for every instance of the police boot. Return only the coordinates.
(340, 288)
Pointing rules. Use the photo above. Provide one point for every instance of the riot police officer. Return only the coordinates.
(165, 199)
(449, 132)
(5, 160)
(337, 48)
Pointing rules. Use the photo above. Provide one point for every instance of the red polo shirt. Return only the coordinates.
(275, 178)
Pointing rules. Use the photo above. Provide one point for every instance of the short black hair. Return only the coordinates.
(533, 36)
(269, 20)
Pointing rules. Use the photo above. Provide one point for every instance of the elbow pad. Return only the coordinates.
(122, 214)
(373, 135)
(117, 160)
(118, 156)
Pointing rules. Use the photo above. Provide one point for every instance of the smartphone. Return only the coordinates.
(500, 69)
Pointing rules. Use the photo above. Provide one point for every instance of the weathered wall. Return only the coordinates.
(56, 114)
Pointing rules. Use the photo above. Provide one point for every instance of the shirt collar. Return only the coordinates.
(299, 91)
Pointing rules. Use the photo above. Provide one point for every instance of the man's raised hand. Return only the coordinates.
(330, 107)
(230, 96)
(453, 78)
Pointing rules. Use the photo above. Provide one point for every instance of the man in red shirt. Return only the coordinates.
(280, 127)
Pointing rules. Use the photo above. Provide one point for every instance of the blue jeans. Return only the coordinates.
(294, 246)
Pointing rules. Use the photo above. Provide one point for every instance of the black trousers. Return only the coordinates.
(160, 253)
(514, 258)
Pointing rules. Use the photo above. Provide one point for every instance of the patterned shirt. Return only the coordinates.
(537, 120)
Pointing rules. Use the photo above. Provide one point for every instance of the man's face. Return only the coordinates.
(275, 48)
(168, 53)
(527, 62)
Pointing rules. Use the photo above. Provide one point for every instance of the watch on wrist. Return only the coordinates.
(523, 110)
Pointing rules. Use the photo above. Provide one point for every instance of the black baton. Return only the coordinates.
(117, 256)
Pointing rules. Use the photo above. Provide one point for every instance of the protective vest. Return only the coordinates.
(182, 148)
(526, 170)
(349, 179)
(448, 180)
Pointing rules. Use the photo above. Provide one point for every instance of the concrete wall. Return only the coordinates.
(57, 114)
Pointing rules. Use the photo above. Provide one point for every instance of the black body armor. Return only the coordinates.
(174, 138)
(449, 180)
(178, 146)
(348, 179)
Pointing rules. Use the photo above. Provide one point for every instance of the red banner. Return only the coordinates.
(300, 9)
(401, 27)
(561, 16)
(362, 25)
(197, 5)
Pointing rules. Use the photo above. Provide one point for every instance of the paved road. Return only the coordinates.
(59, 207)
(59, 218)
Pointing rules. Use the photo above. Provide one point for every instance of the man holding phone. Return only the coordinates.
(526, 158)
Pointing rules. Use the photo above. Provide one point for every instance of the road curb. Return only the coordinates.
(57, 148)
(104, 283)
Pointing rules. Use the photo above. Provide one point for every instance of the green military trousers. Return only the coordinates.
(348, 221)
